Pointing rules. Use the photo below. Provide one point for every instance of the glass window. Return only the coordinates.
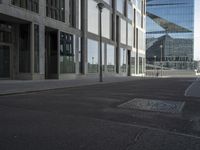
(106, 22)
(72, 16)
(36, 49)
(55, 9)
(123, 60)
(130, 35)
(5, 33)
(123, 31)
(92, 56)
(120, 6)
(140, 65)
(67, 53)
(138, 19)
(32, 5)
(130, 11)
(110, 58)
(93, 21)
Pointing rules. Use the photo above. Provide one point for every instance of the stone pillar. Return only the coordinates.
(58, 38)
(42, 49)
(84, 37)
(32, 48)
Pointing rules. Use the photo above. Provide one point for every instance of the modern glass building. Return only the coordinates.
(171, 33)
(59, 39)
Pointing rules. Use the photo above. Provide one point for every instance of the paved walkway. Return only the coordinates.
(194, 89)
(24, 86)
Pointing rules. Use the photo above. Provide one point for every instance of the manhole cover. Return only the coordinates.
(154, 105)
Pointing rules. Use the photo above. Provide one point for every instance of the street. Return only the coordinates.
(91, 118)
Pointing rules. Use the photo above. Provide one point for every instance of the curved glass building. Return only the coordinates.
(171, 33)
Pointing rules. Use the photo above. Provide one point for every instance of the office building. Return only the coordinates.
(59, 39)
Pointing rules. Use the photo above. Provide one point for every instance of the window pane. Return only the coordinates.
(123, 60)
(106, 23)
(92, 56)
(123, 31)
(110, 58)
(93, 23)
(67, 59)
(120, 6)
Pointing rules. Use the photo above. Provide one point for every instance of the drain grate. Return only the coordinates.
(154, 105)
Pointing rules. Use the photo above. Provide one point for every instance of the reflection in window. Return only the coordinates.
(67, 59)
(55, 9)
(93, 22)
(110, 58)
(123, 31)
(92, 56)
(123, 60)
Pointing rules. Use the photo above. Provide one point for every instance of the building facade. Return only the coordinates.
(59, 39)
(171, 34)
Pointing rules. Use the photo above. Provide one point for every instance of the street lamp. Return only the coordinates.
(100, 6)
(161, 55)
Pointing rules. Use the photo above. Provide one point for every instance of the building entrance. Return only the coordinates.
(51, 54)
(4, 61)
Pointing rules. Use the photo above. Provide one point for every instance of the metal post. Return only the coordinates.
(161, 55)
(100, 7)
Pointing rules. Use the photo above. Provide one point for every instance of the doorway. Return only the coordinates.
(4, 61)
(51, 54)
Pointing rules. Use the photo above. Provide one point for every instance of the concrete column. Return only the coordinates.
(58, 53)
(32, 48)
(84, 37)
(114, 21)
(42, 48)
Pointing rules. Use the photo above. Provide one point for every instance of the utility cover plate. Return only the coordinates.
(154, 105)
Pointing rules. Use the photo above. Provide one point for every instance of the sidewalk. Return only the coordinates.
(194, 89)
(8, 87)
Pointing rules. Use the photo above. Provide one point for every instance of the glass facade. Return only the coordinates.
(170, 24)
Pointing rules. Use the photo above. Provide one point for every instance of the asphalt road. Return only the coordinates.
(89, 118)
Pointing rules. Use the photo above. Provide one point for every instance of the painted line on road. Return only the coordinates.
(190, 87)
